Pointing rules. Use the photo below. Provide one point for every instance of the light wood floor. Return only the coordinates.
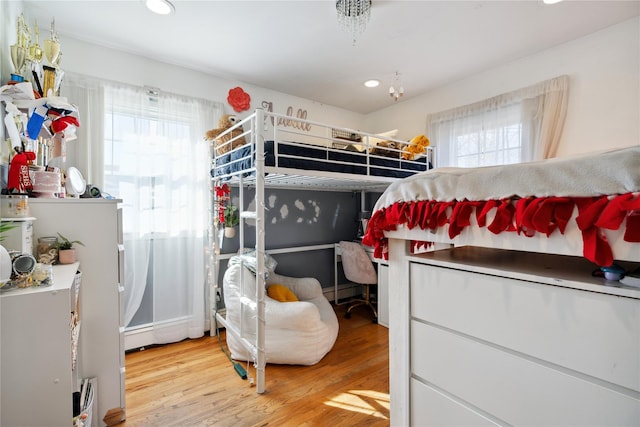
(192, 383)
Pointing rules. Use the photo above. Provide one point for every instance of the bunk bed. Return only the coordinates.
(268, 150)
(513, 323)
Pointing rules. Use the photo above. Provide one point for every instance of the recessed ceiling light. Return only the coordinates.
(372, 83)
(161, 7)
(551, 1)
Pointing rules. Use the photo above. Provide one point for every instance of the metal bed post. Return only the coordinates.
(260, 235)
(213, 262)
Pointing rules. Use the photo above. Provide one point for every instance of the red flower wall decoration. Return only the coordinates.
(239, 99)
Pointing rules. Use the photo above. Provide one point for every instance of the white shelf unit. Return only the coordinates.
(97, 224)
(37, 345)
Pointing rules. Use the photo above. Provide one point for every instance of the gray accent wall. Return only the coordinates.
(303, 218)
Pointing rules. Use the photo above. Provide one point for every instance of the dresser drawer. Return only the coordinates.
(431, 408)
(596, 334)
(511, 388)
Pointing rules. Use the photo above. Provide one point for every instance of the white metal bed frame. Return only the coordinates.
(260, 176)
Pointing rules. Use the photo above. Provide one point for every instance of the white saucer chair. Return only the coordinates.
(297, 333)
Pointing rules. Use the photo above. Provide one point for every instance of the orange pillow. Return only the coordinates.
(281, 293)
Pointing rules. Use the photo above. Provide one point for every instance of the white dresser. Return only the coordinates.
(501, 337)
(97, 223)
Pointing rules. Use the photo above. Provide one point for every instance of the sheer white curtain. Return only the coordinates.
(518, 126)
(153, 157)
(86, 153)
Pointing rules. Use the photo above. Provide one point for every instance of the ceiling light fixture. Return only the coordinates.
(372, 83)
(551, 1)
(396, 90)
(353, 16)
(161, 7)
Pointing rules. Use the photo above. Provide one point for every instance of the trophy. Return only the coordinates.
(18, 57)
(51, 51)
(19, 50)
(52, 75)
(35, 51)
(52, 46)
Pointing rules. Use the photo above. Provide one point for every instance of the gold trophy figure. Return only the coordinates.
(52, 46)
(35, 51)
(52, 53)
(18, 57)
(19, 50)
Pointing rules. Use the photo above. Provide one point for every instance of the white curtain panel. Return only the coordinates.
(86, 152)
(519, 126)
(154, 157)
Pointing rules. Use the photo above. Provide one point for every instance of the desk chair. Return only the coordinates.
(359, 269)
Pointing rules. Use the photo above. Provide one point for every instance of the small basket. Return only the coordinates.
(347, 135)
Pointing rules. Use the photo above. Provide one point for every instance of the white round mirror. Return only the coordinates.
(75, 184)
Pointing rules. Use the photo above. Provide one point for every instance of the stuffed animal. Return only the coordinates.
(417, 145)
(387, 149)
(221, 143)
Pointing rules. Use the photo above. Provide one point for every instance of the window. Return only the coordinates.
(148, 159)
(147, 149)
(520, 126)
(157, 162)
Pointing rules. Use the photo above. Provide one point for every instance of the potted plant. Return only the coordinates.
(231, 219)
(66, 251)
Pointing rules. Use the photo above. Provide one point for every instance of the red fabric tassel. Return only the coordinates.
(460, 217)
(527, 225)
(503, 219)
(614, 212)
(595, 245)
(544, 219)
(562, 213)
(527, 215)
(632, 230)
(481, 217)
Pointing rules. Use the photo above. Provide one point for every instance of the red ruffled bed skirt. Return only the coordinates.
(524, 216)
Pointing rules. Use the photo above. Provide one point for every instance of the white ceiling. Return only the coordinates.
(297, 47)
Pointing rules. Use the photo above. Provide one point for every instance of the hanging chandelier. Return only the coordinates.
(396, 90)
(353, 16)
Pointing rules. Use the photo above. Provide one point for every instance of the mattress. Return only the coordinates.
(596, 192)
(293, 155)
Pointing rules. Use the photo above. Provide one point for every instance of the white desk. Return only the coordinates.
(382, 295)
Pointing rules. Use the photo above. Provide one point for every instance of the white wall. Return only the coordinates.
(9, 12)
(95, 61)
(604, 100)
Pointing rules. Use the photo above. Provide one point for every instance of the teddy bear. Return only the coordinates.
(225, 122)
(417, 145)
(387, 149)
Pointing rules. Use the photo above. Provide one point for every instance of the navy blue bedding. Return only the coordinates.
(309, 157)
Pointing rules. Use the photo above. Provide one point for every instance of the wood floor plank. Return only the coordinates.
(192, 383)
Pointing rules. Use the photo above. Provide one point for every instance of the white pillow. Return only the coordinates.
(248, 258)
